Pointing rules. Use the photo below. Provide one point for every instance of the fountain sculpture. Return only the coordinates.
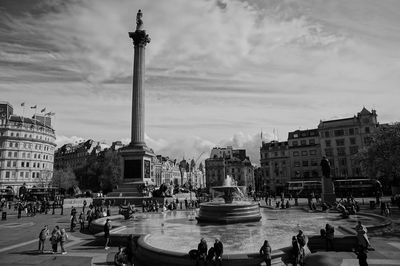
(234, 209)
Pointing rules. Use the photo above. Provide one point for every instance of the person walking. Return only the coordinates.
(266, 251)
(42, 238)
(219, 250)
(362, 256)
(107, 228)
(63, 239)
(55, 238)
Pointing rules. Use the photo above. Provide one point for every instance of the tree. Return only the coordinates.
(110, 170)
(381, 158)
(64, 178)
(201, 167)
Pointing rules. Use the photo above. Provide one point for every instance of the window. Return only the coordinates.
(305, 163)
(9, 154)
(351, 131)
(304, 153)
(327, 135)
(27, 164)
(7, 174)
(15, 154)
(295, 143)
(341, 151)
(14, 163)
(26, 174)
(303, 142)
(8, 163)
(338, 132)
(367, 130)
(353, 149)
(340, 142)
(296, 164)
(312, 141)
(342, 162)
(16, 144)
(22, 164)
(314, 163)
(329, 152)
(313, 152)
(352, 141)
(33, 175)
(295, 153)
(21, 174)
(327, 143)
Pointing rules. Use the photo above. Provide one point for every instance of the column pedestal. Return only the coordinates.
(136, 164)
(328, 192)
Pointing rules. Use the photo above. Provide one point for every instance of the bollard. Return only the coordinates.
(4, 216)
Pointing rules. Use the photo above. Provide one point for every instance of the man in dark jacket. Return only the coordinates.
(202, 252)
(219, 250)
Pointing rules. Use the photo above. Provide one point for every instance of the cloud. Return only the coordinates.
(61, 140)
(213, 68)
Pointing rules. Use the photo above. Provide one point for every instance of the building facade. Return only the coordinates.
(27, 148)
(275, 165)
(341, 140)
(227, 161)
(305, 154)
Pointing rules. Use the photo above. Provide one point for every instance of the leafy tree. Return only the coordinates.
(64, 178)
(381, 158)
(110, 170)
(201, 167)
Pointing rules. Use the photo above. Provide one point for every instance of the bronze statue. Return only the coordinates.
(139, 21)
(325, 167)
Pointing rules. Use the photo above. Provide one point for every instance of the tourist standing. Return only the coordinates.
(301, 238)
(63, 239)
(82, 222)
(295, 251)
(219, 250)
(202, 252)
(42, 238)
(362, 235)
(107, 228)
(330, 235)
(266, 251)
(130, 249)
(55, 238)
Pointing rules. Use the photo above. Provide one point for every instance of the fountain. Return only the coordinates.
(234, 209)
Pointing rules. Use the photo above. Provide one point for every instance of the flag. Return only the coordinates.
(43, 110)
(23, 104)
(34, 107)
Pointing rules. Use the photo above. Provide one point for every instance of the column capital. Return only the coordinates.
(140, 38)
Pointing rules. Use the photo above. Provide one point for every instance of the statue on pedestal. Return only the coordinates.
(325, 167)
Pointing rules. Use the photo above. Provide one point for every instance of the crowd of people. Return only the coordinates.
(57, 237)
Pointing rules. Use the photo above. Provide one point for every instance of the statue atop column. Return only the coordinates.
(139, 36)
(139, 21)
(325, 167)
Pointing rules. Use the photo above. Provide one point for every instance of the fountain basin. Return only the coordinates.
(229, 213)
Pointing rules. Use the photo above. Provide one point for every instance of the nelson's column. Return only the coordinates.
(137, 157)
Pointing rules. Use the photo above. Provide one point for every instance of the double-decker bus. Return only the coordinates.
(40, 193)
(357, 187)
(304, 189)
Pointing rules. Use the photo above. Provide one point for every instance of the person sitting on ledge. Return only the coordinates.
(265, 251)
(202, 252)
(120, 257)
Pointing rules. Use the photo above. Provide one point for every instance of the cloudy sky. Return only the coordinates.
(217, 72)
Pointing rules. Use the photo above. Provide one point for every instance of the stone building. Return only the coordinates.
(227, 161)
(305, 154)
(275, 165)
(26, 149)
(341, 139)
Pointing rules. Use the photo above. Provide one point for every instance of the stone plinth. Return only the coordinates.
(328, 192)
